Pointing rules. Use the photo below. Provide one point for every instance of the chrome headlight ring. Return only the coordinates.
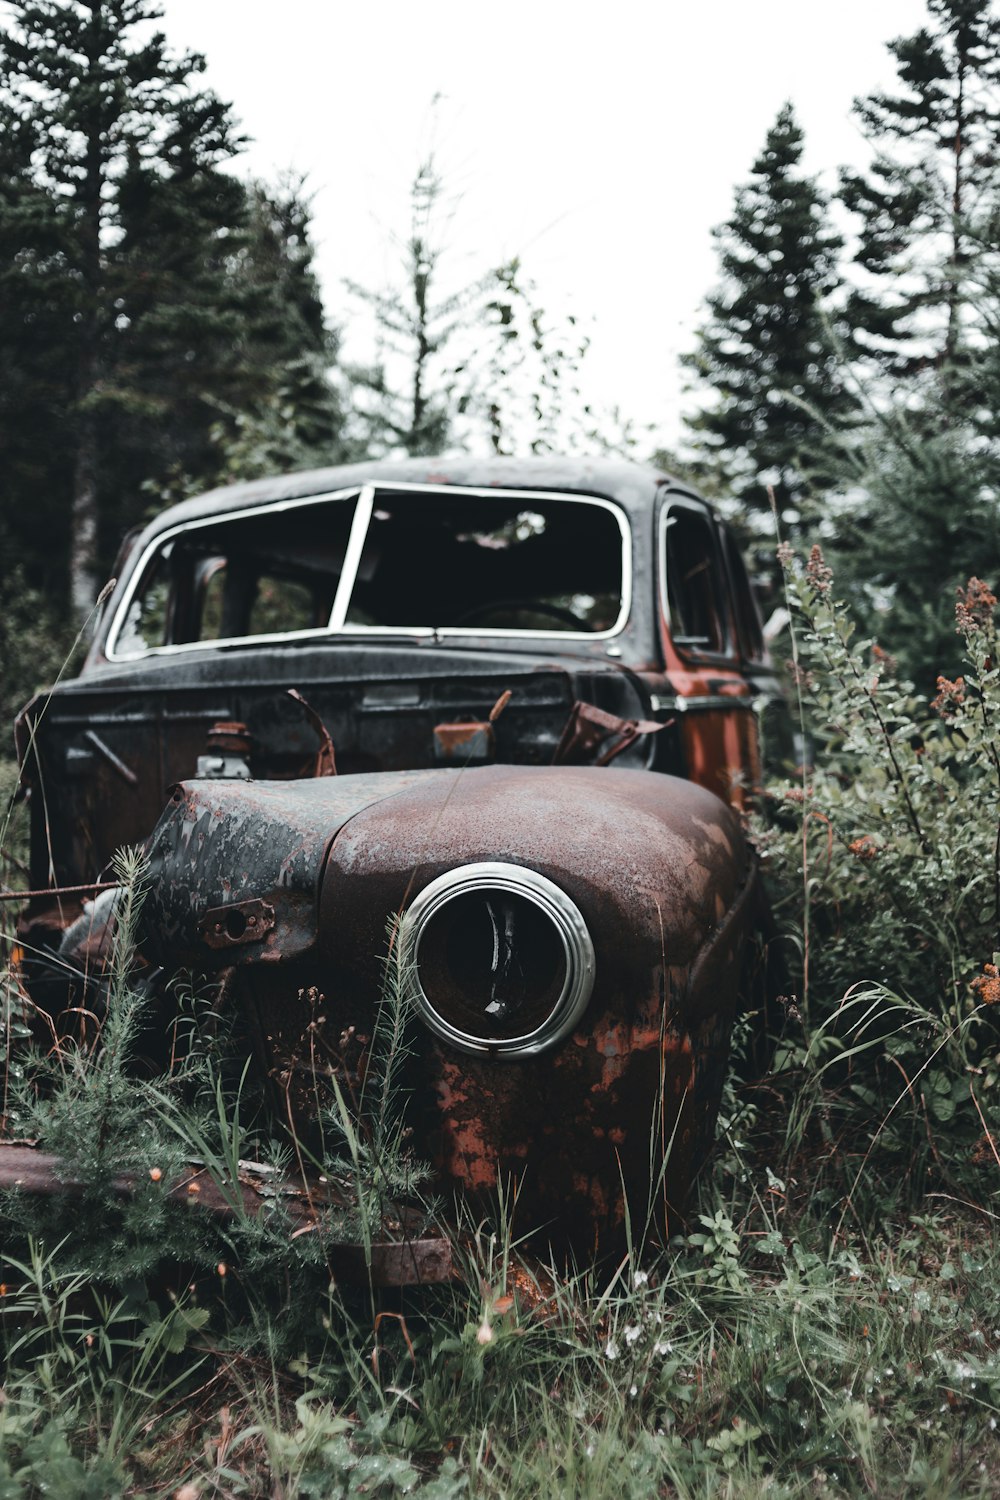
(500, 960)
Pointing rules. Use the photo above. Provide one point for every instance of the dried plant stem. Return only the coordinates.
(804, 770)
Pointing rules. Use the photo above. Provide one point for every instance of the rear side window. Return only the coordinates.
(747, 618)
(694, 583)
(271, 573)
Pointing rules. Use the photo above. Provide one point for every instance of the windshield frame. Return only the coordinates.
(337, 627)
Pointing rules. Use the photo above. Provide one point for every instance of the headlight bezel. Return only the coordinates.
(567, 922)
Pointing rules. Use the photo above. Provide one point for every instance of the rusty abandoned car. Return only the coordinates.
(515, 706)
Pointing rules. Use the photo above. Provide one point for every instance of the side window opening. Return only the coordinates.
(271, 573)
(751, 634)
(695, 587)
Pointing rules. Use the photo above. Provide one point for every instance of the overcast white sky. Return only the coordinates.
(600, 143)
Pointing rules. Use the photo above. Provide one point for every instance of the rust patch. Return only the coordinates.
(240, 922)
(464, 743)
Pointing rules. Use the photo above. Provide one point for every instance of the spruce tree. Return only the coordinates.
(298, 418)
(107, 108)
(925, 311)
(929, 198)
(765, 348)
(151, 305)
(409, 388)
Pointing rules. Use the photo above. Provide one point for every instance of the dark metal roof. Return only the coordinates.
(632, 485)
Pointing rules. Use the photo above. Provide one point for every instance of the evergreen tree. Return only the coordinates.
(258, 397)
(765, 348)
(411, 385)
(106, 109)
(150, 302)
(37, 303)
(930, 195)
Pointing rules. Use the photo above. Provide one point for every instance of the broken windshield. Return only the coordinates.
(408, 561)
(486, 563)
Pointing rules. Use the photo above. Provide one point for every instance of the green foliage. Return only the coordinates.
(923, 519)
(765, 349)
(148, 299)
(888, 857)
(416, 327)
(455, 366)
(930, 192)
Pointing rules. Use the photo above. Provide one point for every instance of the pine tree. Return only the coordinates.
(152, 305)
(299, 419)
(930, 194)
(37, 303)
(765, 347)
(105, 108)
(412, 382)
(481, 365)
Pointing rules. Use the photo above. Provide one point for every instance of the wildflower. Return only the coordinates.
(974, 610)
(632, 1333)
(155, 1174)
(950, 696)
(882, 658)
(611, 1350)
(194, 1187)
(986, 986)
(640, 1278)
(984, 1152)
(785, 555)
(484, 1333)
(662, 1347)
(820, 576)
(222, 1269)
(864, 848)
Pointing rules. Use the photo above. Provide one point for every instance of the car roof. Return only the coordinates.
(632, 485)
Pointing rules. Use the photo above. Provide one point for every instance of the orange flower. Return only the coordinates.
(986, 986)
(974, 610)
(820, 576)
(865, 847)
(950, 696)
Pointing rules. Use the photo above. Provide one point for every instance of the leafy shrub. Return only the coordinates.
(886, 855)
